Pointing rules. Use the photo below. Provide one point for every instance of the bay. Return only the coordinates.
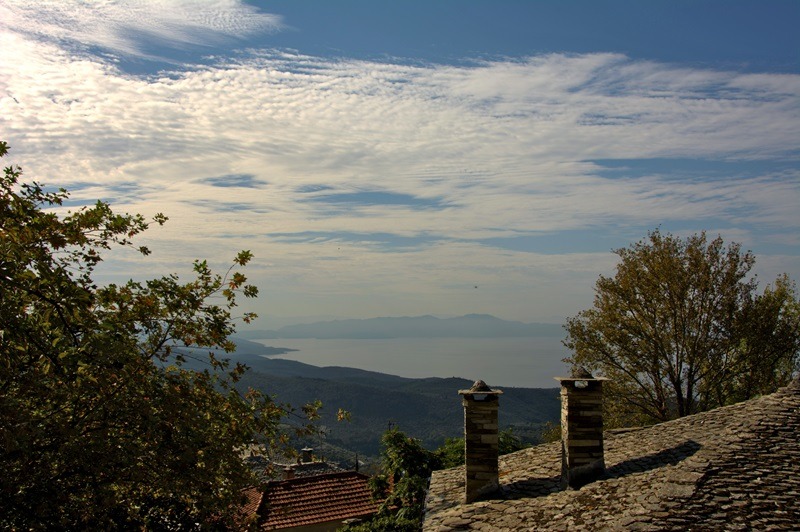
(528, 362)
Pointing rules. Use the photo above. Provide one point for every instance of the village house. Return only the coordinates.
(732, 468)
(310, 496)
(318, 503)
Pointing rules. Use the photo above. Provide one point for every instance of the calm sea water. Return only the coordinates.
(513, 362)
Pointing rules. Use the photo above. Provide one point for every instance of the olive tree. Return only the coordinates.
(101, 424)
(681, 328)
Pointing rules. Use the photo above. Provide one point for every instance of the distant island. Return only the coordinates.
(469, 326)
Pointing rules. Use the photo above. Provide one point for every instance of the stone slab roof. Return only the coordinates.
(311, 500)
(733, 468)
(266, 469)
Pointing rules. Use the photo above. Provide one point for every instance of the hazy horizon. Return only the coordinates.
(521, 362)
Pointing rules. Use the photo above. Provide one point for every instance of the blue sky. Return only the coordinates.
(387, 158)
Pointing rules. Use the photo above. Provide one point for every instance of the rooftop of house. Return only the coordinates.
(306, 466)
(311, 500)
(733, 468)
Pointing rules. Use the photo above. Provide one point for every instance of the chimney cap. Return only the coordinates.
(579, 372)
(480, 387)
(288, 473)
(573, 379)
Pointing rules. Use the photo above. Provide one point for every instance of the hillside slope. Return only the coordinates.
(429, 409)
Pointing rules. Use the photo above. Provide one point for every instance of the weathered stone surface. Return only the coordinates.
(734, 468)
(480, 443)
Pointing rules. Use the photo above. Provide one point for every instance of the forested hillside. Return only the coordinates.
(429, 409)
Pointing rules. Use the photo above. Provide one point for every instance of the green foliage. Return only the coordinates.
(406, 470)
(451, 453)
(100, 425)
(551, 432)
(401, 486)
(680, 329)
(427, 408)
(403, 456)
(509, 442)
(385, 523)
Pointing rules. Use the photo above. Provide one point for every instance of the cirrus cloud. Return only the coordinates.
(400, 181)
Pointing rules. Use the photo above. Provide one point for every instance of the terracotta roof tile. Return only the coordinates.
(317, 499)
(248, 511)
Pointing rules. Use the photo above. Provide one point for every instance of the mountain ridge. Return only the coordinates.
(426, 408)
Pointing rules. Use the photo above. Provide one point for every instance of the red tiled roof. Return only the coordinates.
(317, 499)
(253, 498)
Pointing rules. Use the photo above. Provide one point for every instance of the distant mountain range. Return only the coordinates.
(469, 326)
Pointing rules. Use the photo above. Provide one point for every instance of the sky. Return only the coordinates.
(415, 157)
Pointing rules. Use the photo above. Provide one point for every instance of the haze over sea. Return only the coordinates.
(528, 362)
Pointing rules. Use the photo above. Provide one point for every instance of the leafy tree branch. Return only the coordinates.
(101, 425)
(681, 328)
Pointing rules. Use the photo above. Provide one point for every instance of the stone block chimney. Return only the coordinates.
(581, 428)
(481, 440)
(307, 456)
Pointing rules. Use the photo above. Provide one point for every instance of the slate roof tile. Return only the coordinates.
(733, 468)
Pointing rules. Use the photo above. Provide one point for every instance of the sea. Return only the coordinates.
(522, 362)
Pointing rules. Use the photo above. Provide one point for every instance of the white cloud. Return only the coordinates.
(503, 148)
(128, 27)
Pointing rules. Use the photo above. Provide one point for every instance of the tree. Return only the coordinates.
(451, 452)
(101, 426)
(681, 328)
(406, 468)
(401, 486)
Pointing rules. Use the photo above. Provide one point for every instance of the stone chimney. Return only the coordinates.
(581, 428)
(481, 440)
(308, 455)
(288, 473)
